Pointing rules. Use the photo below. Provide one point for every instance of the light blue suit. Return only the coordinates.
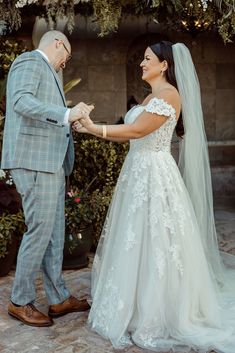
(38, 148)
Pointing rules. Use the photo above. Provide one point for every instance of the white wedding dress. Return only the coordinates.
(151, 283)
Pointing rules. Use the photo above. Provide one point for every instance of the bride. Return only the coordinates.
(158, 280)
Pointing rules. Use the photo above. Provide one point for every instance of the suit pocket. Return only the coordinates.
(36, 131)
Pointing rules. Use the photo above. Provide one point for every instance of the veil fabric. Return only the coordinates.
(194, 160)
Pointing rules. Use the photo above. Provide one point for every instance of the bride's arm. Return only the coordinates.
(145, 123)
(77, 127)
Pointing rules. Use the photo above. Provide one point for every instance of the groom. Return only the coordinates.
(38, 149)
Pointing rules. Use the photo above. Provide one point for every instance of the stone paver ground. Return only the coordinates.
(70, 334)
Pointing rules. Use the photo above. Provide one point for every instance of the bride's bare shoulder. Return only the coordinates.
(169, 91)
(171, 96)
(147, 99)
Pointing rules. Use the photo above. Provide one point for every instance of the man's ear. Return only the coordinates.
(57, 44)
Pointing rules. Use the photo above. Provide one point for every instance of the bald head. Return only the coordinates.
(50, 36)
(56, 47)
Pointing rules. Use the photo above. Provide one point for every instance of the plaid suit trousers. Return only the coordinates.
(42, 245)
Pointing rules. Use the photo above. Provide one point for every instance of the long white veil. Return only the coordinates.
(193, 158)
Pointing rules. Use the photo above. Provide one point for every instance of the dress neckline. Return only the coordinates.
(161, 100)
(158, 99)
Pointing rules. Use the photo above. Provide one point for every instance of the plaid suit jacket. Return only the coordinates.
(35, 136)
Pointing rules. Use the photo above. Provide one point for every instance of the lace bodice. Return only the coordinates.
(160, 139)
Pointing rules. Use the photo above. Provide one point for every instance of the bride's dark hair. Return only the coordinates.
(163, 50)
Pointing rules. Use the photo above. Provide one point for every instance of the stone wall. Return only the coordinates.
(101, 66)
(110, 73)
(109, 68)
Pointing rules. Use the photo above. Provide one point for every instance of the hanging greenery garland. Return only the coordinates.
(189, 15)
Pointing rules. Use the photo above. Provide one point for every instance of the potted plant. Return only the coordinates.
(79, 216)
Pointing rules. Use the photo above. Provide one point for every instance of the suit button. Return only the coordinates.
(67, 135)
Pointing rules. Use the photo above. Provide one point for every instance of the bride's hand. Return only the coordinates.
(86, 122)
(79, 128)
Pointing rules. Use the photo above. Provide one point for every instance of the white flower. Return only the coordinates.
(22, 3)
(77, 1)
(10, 181)
(6, 176)
(2, 174)
(204, 4)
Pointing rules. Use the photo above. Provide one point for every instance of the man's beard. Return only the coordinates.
(55, 66)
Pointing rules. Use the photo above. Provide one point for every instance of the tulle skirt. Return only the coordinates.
(151, 282)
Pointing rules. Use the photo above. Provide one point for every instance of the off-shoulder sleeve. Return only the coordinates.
(160, 107)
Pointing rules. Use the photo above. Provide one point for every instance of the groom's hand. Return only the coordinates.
(81, 110)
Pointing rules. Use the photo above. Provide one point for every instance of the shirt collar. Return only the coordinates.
(43, 54)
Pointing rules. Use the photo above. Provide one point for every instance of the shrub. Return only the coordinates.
(10, 224)
(97, 166)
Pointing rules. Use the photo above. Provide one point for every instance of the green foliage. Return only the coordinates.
(59, 9)
(108, 14)
(79, 210)
(216, 15)
(226, 28)
(10, 14)
(9, 224)
(183, 15)
(96, 169)
(9, 50)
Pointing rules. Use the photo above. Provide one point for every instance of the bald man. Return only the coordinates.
(38, 149)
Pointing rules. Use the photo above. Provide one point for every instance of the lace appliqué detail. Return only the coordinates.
(148, 339)
(125, 340)
(139, 192)
(160, 107)
(160, 139)
(130, 239)
(153, 222)
(107, 305)
(175, 253)
(160, 262)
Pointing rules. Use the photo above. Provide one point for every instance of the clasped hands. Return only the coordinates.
(79, 115)
(80, 111)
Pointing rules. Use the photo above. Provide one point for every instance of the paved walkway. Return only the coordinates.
(70, 334)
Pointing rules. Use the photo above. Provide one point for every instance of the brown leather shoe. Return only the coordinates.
(70, 305)
(29, 315)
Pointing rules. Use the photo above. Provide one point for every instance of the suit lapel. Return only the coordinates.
(56, 77)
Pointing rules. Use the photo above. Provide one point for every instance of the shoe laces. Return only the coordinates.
(30, 309)
(72, 299)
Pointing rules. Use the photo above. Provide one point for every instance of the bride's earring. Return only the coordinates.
(162, 72)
